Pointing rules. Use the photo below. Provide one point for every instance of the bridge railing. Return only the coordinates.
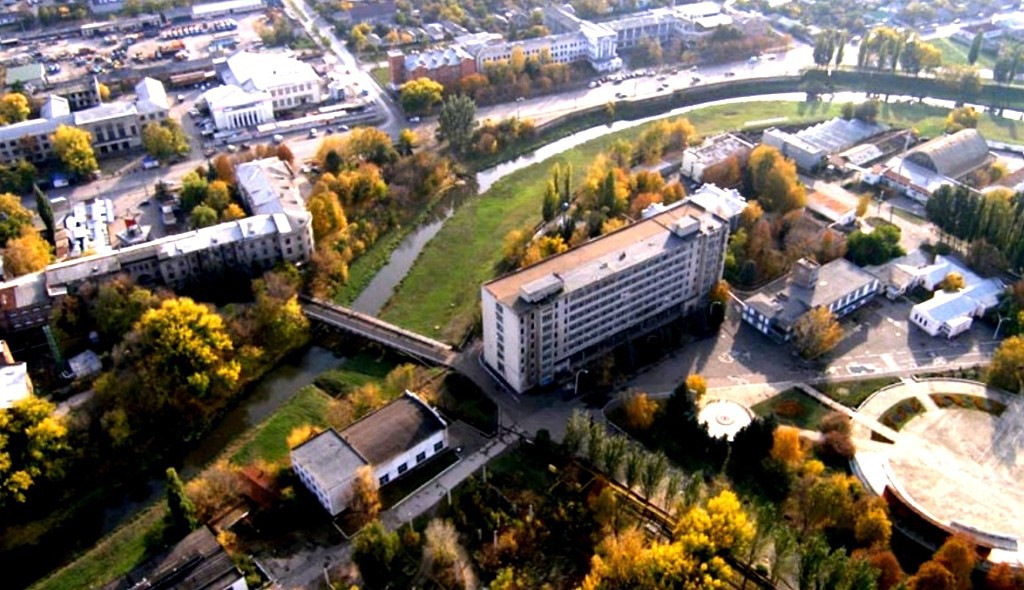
(378, 323)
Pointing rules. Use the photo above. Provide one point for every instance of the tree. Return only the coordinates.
(419, 95)
(13, 108)
(774, 180)
(406, 142)
(165, 139)
(193, 190)
(27, 253)
(202, 216)
(327, 213)
(1003, 577)
(13, 217)
(444, 557)
(33, 442)
(953, 282)
(720, 293)
(624, 560)
(182, 513)
(457, 121)
(232, 212)
(972, 55)
(816, 332)
(862, 205)
(933, 576)
(179, 360)
(639, 410)
(1006, 371)
(73, 147)
(118, 304)
(723, 526)
(104, 92)
(365, 494)
(284, 153)
(889, 571)
(958, 555)
(962, 118)
(697, 386)
(374, 551)
(45, 211)
(655, 466)
(872, 527)
(549, 208)
(866, 111)
(876, 247)
(786, 446)
(218, 196)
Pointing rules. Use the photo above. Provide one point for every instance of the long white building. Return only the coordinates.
(543, 320)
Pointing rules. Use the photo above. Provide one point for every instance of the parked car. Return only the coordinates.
(313, 132)
(278, 138)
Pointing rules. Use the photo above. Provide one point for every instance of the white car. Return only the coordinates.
(278, 138)
(414, 119)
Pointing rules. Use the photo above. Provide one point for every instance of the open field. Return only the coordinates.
(954, 53)
(439, 297)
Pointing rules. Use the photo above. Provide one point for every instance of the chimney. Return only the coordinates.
(805, 273)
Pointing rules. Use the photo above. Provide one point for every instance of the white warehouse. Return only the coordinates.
(540, 320)
(392, 441)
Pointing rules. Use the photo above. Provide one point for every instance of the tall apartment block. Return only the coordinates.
(544, 320)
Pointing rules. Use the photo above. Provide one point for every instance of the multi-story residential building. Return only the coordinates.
(284, 233)
(446, 66)
(116, 127)
(80, 94)
(257, 86)
(543, 320)
(839, 286)
(392, 441)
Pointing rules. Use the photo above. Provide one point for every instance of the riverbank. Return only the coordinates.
(439, 297)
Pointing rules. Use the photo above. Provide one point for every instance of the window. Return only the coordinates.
(384, 479)
(421, 457)
(438, 446)
(403, 468)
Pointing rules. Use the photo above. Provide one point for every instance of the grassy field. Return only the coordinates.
(382, 75)
(439, 297)
(365, 267)
(852, 393)
(794, 408)
(269, 442)
(114, 556)
(954, 53)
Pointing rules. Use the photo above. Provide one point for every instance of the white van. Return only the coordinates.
(313, 132)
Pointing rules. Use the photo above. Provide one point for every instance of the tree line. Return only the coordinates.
(989, 226)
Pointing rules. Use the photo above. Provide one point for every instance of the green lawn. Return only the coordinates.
(794, 408)
(954, 53)
(852, 393)
(117, 554)
(269, 441)
(382, 75)
(439, 297)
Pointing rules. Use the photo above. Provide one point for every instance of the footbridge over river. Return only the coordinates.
(379, 331)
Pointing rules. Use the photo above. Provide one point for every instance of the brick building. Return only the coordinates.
(447, 65)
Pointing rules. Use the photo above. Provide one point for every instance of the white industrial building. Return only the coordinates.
(214, 9)
(933, 164)
(946, 313)
(392, 441)
(809, 147)
(541, 320)
(259, 85)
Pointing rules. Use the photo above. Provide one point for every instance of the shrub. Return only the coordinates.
(836, 445)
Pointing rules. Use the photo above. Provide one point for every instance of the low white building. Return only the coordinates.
(257, 86)
(952, 313)
(392, 441)
(213, 9)
(715, 152)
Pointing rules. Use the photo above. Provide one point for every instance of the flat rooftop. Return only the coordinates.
(393, 429)
(601, 257)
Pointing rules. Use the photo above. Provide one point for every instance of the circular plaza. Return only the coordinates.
(951, 451)
(724, 418)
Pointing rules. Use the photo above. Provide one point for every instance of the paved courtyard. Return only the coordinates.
(961, 467)
(878, 341)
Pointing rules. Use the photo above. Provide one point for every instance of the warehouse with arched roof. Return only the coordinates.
(952, 155)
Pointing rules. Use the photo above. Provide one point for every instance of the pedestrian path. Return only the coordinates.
(869, 423)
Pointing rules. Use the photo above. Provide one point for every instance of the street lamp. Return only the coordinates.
(576, 386)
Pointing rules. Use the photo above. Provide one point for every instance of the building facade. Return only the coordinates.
(446, 66)
(392, 441)
(116, 127)
(542, 320)
(258, 86)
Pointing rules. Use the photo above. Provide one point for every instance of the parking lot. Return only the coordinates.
(74, 57)
(877, 340)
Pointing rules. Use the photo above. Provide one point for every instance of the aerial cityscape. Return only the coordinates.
(512, 294)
